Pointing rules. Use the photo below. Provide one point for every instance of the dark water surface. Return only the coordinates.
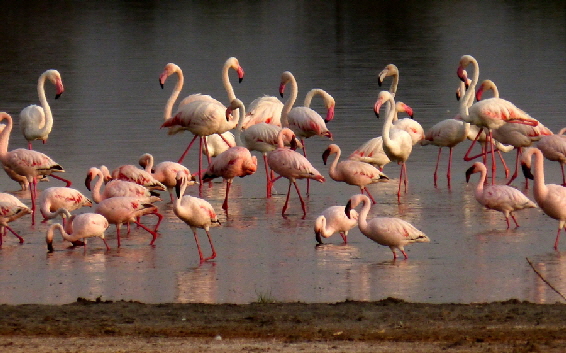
(110, 56)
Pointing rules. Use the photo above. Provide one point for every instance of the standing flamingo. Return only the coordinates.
(332, 220)
(11, 208)
(291, 165)
(165, 172)
(236, 161)
(352, 172)
(490, 113)
(206, 116)
(124, 209)
(36, 122)
(551, 198)
(28, 163)
(553, 148)
(388, 231)
(82, 226)
(372, 150)
(195, 212)
(54, 198)
(265, 109)
(502, 198)
(397, 144)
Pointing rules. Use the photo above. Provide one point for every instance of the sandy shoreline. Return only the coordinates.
(390, 324)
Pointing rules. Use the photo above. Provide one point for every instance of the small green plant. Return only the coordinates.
(264, 298)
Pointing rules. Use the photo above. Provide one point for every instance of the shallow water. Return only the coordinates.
(110, 59)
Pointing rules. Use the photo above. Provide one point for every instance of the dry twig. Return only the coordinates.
(544, 280)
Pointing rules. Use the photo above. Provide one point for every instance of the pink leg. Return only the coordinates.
(69, 183)
(400, 182)
(404, 254)
(187, 150)
(159, 219)
(344, 237)
(305, 154)
(287, 200)
(33, 192)
(268, 179)
(153, 234)
(29, 145)
(514, 176)
(198, 245)
(406, 180)
(563, 177)
(118, 233)
(16, 234)
(228, 143)
(302, 201)
(362, 189)
(467, 158)
(504, 164)
(449, 174)
(200, 167)
(515, 220)
(436, 169)
(225, 203)
(557, 238)
(211, 246)
(493, 168)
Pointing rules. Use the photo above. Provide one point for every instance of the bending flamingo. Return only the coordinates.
(551, 198)
(291, 165)
(387, 231)
(553, 148)
(28, 163)
(82, 226)
(352, 172)
(490, 113)
(54, 198)
(165, 172)
(397, 143)
(11, 208)
(334, 220)
(36, 121)
(195, 212)
(502, 198)
(206, 116)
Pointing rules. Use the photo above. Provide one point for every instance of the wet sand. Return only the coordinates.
(390, 325)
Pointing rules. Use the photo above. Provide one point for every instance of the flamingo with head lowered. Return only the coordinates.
(334, 220)
(36, 121)
(79, 228)
(11, 208)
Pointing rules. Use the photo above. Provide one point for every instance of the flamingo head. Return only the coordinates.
(475, 168)
(168, 71)
(285, 78)
(402, 107)
(348, 209)
(381, 98)
(389, 70)
(318, 225)
(281, 89)
(332, 148)
(329, 114)
(233, 63)
(91, 174)
(235, 104)
(55, 78)
(465, 60)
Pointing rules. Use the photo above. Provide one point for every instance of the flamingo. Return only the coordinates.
(397, 144)
(236, 161)
(502, 198)
(372, 150)
(54, 198)
(490, 113)
(517, 135)
(125, 209)
(82, 226)
(388, 231)
(206, 116)
(410, 125)
(165, 172)
(352, 172)
(291, 165)
(304, 121)
(261, 137)
(36, 121)
(551, 198)
(28, 163)
(332, 220)
(130, 172)
(195, 212)
(216, 144)
(265, 109)
(553, 148)
(11, 208)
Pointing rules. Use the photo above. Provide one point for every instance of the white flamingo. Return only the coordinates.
(387, 231)
(82, 226)
(36, 121)
(334, 220)
(502, 198)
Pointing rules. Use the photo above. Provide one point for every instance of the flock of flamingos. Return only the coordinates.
(276, 130)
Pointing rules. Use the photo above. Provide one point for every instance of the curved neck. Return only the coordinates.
(149, 164)
(311, 94)
(321, 223)
(468, 98)
(64, 234)
(174, 95)
(332, 169)
(43, 100)
(238, 132)
(540, 189)
(289, 102)
(362, 217)
(394, 83)
(390, 115)
(5, 135)
(226, 82)
(96, 197)
(481, 182)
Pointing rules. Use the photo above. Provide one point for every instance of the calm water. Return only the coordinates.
(110, 57)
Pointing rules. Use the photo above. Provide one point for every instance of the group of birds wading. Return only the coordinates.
(276, 129)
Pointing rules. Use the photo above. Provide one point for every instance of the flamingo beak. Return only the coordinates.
(87, 181)
(462, 75)
(240, 74)
(527, 171)
(348, 209)
(60, 89)
(376, 107)
(325, 155)
(281, 89)
(318, 237)
(329, 114)
(469, 172)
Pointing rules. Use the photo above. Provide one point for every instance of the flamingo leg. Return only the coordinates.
(404, 254)
(514, 176)
(515, 220)
(198, 245)
(467, 157)
(400, 182)
(225, 203)
(406, 180)
(224, 139)
(159, 219)
(563, 176)
(69, 183)
(557, 238)
(105, 243)
(16, 234)
(344, 237)
(504, 164)
(301, 199)
(493, 167)
(200, 168)
(153, 234)
(287, 200)
(437, 162)
(213, 255)
(118, 233)
(187, 150)
(33, 192)
(363, 188)
(268, 179)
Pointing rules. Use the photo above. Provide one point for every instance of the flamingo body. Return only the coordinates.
(82, 226)
(54, 198)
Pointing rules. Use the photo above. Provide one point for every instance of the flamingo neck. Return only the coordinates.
(481, 182)
(64, 234)
(321, 227)
(239, 127)
(390, 115)
(468, 98)
(332, 169)
(294, 91)
(44, 104)
(394, 84)
(96, 197)
(174, 95)
(363, 214)
(149, 165)
(313, 92)
(5, 135)
(540, 190)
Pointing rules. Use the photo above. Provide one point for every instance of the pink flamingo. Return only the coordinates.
(195, 212)
(206, 116)
(553, 148)
(332, 220)
(165, 172)
(304, 121)
(517, 135)
(291, 165)
(502, 198)
(397, 143)
(551, 198)
(36, 121)
(372, 150)
(352, 172)
(265, 109)
(28, 163)
(129, 172)
(82, 226)
(124, 209)
(54, 198)
(490, 113)
(387, 231)
(11, 208)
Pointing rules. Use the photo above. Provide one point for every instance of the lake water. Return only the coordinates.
(110, 56)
